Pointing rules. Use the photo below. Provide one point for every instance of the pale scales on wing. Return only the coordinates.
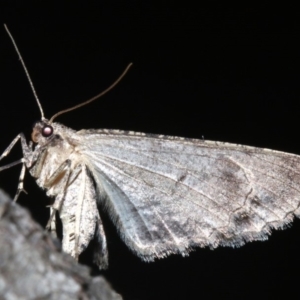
(164, 194)
(168, 194)
(180, 193)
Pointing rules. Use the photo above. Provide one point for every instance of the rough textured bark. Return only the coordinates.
(32, 266)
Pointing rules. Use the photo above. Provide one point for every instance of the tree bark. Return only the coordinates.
(33, 267)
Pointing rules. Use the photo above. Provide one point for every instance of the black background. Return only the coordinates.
(224, 72)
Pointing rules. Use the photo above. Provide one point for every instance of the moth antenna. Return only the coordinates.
(26, 72)
(94, 98)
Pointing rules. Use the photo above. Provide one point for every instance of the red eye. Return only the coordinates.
(47, 131)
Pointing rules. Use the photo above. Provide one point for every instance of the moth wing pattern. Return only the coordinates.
(168, 195)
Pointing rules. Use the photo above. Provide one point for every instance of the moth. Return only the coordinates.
(164, 194)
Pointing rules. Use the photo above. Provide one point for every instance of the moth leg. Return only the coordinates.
(27, 150)
(38, 157)
(21, 183)
(26, 160)
(64, 167)
(32, 160)
(10, 146)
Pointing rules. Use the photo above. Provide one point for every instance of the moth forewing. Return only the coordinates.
(168, 194)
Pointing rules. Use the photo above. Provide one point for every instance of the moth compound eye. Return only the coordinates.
(47, 131)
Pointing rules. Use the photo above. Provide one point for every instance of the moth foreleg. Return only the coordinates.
(21, 183)
(10, 146)
(27, 151)
(26, 160)
(63, 168)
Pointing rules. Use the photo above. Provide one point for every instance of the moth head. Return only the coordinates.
(41, 129)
